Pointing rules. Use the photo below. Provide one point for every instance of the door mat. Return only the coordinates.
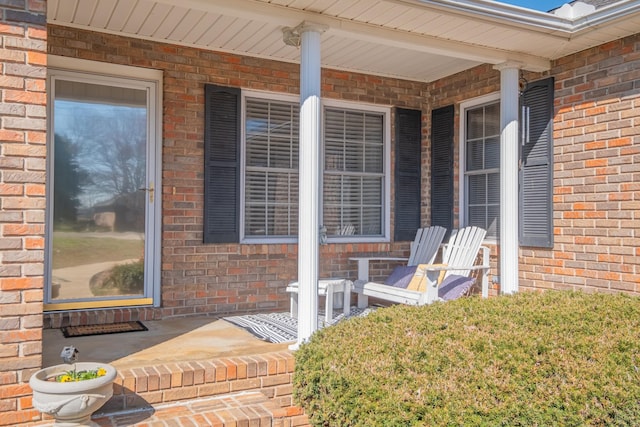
(109, 328)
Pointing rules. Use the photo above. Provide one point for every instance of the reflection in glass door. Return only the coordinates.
(100, 196)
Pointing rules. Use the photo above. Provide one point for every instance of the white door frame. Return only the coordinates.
(127, 76)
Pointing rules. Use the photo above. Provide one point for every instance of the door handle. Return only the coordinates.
(149, 190)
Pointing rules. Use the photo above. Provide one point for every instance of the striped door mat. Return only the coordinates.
(281, 327)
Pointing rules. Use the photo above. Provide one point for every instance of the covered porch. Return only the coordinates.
(230, 251)
(211, 248)
(385, 58)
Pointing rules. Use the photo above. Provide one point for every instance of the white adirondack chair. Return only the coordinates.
(458, 261)
(424, 249)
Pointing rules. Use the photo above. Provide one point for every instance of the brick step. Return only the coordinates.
(238, 391)
(181, 386)
(269, 373)
(232, 410)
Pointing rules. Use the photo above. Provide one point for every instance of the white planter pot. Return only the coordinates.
(71, 403)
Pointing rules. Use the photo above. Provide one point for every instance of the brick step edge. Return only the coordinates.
(250, 409)
(269, 373)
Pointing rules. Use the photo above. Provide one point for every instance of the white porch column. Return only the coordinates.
(509, 158)
(308, 193)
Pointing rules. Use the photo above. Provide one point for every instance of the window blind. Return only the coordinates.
(353, 181)
(271, 168)
(482, 168)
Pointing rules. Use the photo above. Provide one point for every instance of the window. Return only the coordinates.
(482, 167)
(271, 168)
(480, 164)
(354, 191)
(353, 181)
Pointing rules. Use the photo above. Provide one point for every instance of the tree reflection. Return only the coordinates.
(116, 146)
(105, 145)
(67, 177)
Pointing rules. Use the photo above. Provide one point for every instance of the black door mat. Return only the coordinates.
(109, 328)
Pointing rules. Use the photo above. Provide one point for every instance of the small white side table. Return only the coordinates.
(327, 288)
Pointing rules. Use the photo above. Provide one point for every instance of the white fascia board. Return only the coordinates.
(606, 15)
(521, 17)
(289, 17)
(500, 13)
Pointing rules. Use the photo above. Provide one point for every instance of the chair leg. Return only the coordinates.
(337, 299)
(485, 272)
(328, 310)
(363, 300)
(293, 302)
(346, 304)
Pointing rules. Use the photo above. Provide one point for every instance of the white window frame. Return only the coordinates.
(386, 191)
(464, 106)
(269, 96)
(273, 96)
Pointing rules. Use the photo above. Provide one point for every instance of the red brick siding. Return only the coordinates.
(596, 174)
(218, 279)
(23, 42)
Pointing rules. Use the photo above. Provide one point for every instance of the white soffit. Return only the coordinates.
(420, 40)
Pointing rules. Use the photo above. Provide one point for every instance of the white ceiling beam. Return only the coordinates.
(289, 17)
(437, 46)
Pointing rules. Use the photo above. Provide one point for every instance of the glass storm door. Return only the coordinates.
(101, 194)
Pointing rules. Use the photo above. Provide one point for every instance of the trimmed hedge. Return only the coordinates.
(529, 359)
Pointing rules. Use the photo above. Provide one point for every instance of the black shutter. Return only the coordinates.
(407, 173)
(221, 165)
(536, 172)
(442, 122)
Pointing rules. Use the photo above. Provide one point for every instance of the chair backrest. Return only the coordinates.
(462, 249)
(424, 247)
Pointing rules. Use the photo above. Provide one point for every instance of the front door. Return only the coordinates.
(102, 191)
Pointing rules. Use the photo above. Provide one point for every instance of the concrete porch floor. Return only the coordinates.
(192, 371)
(166, 341)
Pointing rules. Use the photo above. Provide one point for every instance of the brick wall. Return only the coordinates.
(597, 174)
(22, 202)
(218, 279)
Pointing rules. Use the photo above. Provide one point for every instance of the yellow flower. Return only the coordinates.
(65, 379)
(102, 372)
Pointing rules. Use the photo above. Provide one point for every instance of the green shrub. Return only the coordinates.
(530, 359)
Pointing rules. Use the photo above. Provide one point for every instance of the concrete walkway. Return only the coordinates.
(74, 281)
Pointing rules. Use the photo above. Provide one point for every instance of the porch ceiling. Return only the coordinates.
(421, 40)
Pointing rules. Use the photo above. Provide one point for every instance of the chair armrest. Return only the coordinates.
(432, 271)
(442, 267)
(363, 264)
(379, 258)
